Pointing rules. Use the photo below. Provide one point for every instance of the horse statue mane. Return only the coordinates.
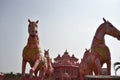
(32, 53)
(99, 53)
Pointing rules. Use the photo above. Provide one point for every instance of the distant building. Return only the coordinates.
(66, 67)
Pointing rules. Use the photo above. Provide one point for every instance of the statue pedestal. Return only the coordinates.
(36, 78)
(102, 77)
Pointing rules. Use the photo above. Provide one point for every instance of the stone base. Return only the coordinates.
(36, 78)
(102, 77)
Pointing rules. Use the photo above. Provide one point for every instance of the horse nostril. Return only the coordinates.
(36, 31)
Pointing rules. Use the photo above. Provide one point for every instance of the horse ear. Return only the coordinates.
(48, 50)
(104, 20)
(37, 21)
(44, 50)
(29, 21)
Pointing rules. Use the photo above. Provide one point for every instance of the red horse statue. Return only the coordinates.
(50, 69)
(85, 65)
(99, 53)
(32, 53)
(88, 65)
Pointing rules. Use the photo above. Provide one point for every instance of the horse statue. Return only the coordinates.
(85, 65)
(99, 48)
(32, 53)
(99, 52)
(50, 69)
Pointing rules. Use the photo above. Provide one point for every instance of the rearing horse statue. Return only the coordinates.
(99, 48)
(32, 53)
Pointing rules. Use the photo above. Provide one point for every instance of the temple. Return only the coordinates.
(66, 67)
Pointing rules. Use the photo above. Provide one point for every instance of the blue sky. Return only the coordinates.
(63, 24)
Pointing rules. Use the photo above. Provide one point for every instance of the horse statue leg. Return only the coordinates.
(109, 67)
(42, 74)
(98, 66)
(37, 62)
(50, 74)
(43, 71)
(36, 72)
(23, 68)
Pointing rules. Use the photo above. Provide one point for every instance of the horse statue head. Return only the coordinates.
(86, 54)
(46, 53)
(109, 29)
(33, 28)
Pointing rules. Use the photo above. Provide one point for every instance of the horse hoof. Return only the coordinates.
(31, 73)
